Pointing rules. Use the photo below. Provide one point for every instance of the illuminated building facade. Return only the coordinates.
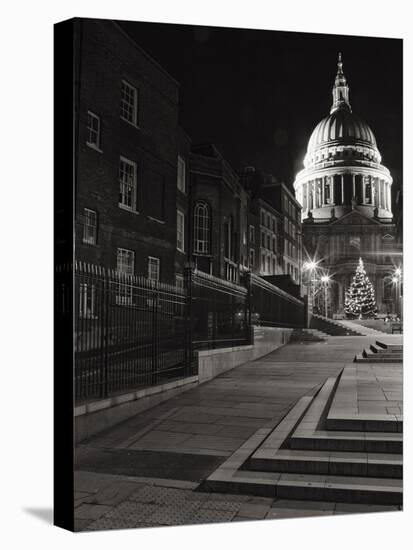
(346, 197)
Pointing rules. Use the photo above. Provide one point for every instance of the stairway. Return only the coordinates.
(333, 328)
(381, 353)
(303, 458)
(306, 335)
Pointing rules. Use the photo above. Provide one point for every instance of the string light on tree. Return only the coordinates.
(360, 301)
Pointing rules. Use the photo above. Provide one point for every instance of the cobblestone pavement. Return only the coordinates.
(145, 471)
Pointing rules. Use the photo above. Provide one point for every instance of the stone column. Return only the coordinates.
(354, 185)
(342, 188)
(323, 190)
(389, 195)
(363, 189)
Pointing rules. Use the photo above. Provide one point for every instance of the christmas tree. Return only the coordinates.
(360, 301)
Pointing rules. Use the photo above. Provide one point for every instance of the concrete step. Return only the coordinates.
(364, 442)
(330, 463)
(370, 357)
(390, 347)
(385, 351)
(352, 489)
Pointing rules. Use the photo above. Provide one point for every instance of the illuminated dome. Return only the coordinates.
(342, 166)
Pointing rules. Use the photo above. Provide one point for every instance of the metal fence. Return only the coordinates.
(131, 332)
(271, 306)
(219, 312)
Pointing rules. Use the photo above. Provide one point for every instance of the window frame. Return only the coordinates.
(94, 145)
(158, 264)
(135, 117)
(181, 174)
(180, 215)
(134, 194)
(85, 225)
(204, 229)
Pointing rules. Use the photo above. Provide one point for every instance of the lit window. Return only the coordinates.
(89, 226)
(180, 231)
(153, 268)
(127, 183)
(125, 263)
(181, 175)
(129, 103)
(93, 130)
(202, 229)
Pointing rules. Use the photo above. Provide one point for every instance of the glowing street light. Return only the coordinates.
(325, 279)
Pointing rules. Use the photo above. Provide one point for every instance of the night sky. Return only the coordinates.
(259, 94)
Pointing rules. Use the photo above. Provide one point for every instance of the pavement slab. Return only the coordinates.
(147, 471)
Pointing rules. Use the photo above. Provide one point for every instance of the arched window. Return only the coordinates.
(202, 228)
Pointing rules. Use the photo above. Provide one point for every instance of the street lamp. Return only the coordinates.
(309, 266)
(396, 280)
(325, 279)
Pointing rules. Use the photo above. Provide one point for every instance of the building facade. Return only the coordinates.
(131, 157)
(346, 198)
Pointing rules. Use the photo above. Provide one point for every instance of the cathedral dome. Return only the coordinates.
(342, 165)
(341, 127)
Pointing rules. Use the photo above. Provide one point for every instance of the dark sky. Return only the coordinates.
(259, 94)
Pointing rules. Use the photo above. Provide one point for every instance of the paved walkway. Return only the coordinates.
(144, 472)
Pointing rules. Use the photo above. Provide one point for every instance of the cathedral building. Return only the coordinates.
(346, 197)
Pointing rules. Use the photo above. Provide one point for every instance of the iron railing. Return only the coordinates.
(271, 306)
(131, 332)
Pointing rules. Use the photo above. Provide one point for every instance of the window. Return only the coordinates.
(252, 258)
(274, 226)
(129, 103)
(180, 231)
(273, 266)
(268, 221)
(181, 175)
(93, 130)
(87, 301)
(263, 263)
(202, 229)
(268, 242)
(252, 234)
(127, 183)
(285, 225)
(153, 268)
(89, 226)
(125, 263)
(268, 264)
(274, 245)
(262, 217)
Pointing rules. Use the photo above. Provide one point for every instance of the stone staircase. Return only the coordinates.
(330, 327)
(381, 353)
(305, 335)
(303, 458)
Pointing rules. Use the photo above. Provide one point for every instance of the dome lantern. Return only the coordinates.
(340, 89)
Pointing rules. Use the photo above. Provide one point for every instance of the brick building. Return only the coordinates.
(148, 201)
(219, 215)
(131, 156)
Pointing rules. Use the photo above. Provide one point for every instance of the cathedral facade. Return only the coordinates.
(346, 197)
